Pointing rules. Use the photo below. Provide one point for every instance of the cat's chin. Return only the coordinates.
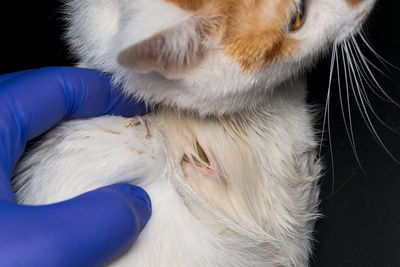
(217, 88)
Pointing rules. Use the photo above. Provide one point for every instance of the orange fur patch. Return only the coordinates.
(354, 3)
(191, 5)
(252, 32)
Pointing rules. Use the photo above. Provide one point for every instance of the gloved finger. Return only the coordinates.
(43, 97)
(8, 76)
(121, 105)
(33, 102)
(89, 230)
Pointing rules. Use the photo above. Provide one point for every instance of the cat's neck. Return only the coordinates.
(286, 97)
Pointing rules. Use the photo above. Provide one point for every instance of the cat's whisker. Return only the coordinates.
(347, 122)
(326, 121)
(388, 97)
(326, 110)
(345, 55)
(361, 105)
(384, 63)
(353, 84)
(379, 57)
(347, 93)
(352, 71)
(358, 54)
(360, 73)
(362, 88)
(366, 63)
(367, 76)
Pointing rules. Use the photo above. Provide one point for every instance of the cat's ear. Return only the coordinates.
(170, 51)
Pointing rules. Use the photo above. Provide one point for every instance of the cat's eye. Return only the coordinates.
(297, 19)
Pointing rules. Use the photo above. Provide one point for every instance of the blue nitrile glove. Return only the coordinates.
(91, 229)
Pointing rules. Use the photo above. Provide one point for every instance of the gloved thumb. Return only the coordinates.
(89, 230)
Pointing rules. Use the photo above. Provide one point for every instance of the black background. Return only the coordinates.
(361, 216)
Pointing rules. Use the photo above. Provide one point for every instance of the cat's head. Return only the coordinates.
(210, 56)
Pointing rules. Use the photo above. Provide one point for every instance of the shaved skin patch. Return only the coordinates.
(354, 3)
(254, 32)
(202, 165)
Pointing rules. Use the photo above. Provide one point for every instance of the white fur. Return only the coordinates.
(255, 202)
(265, 216)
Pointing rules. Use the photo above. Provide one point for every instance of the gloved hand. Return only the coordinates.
(91, 229)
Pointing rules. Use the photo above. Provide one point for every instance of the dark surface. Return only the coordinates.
(361, 223)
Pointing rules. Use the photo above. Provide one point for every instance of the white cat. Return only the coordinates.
(228, 156)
